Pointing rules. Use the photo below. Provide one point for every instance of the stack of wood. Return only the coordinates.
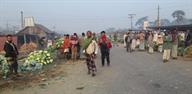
(28, 47)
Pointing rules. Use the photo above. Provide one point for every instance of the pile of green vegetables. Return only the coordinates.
(4, 66)
(36, 60)
(59, 43)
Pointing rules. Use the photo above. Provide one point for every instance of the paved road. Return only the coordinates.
(135, 73)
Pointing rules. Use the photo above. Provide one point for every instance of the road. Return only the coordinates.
(129, 73)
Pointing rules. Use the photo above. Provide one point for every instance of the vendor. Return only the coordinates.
(11, 53)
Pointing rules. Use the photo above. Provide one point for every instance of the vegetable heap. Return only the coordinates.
(36, 60)
(4, 66)
(59, 43)
(188, 51)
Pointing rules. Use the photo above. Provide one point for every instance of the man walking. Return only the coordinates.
(150, 42)
(105, 45)
(11, 53)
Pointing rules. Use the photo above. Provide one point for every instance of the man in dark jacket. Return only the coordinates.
(128, 40)
(105, 45)
(11, 53)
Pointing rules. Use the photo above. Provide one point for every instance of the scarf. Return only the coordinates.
(104, 38)
(86, 42)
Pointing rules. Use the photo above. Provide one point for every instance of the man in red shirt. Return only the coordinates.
(105, 45)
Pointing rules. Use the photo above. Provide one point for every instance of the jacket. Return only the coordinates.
(10, 50)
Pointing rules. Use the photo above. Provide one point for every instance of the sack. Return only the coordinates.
(109, 45)
(66, 50)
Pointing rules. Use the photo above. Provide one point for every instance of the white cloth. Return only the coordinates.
(137, 42)
(182, 36)
(92, 48)
(133, 44)
(49, 43)
(166, 54)
(124, 42)
(155, 37)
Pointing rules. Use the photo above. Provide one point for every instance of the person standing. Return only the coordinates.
(11, 54)
(90, 48)
(74, 43)
(124, 41)
(142, 41)
(150, 42)
(115, 39)
(175, 44)
(133, 43)
(105, 45)
(81, 41)
(128, 40)
(160, 42)
(167, 45)
(66, 47)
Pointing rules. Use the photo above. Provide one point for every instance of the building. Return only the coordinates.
(36, 34)
(39, 30)
(173, 27)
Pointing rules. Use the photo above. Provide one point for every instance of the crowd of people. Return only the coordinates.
(87, 46)
(168, 42)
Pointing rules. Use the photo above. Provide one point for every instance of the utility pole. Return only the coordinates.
(158, 17)
(131, 16)
(22, 20)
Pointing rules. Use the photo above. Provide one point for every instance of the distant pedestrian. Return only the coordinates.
(134, 42)
(124, 40)
(66, 47)
(105, 45)
(167, 45)
(150, 42)
(11, 54)
(90, 48)
(74, 43)
(160, 42)
(175, 41)
(142, 41)
(81, 41)
(128, 40)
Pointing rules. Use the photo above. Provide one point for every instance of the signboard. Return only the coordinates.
(29, 21)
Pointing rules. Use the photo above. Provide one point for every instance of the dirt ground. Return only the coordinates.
(32, 79)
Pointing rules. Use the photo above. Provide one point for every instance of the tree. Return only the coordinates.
(179, 16)
(139, 23)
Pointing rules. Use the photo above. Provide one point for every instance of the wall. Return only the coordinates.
(3, 40)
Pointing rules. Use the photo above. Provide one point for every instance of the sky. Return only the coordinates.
(68, 16)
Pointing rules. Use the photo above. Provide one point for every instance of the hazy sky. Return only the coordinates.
(83, 15)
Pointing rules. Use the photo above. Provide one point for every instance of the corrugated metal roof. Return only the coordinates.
(45, 29)
(178, 27)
